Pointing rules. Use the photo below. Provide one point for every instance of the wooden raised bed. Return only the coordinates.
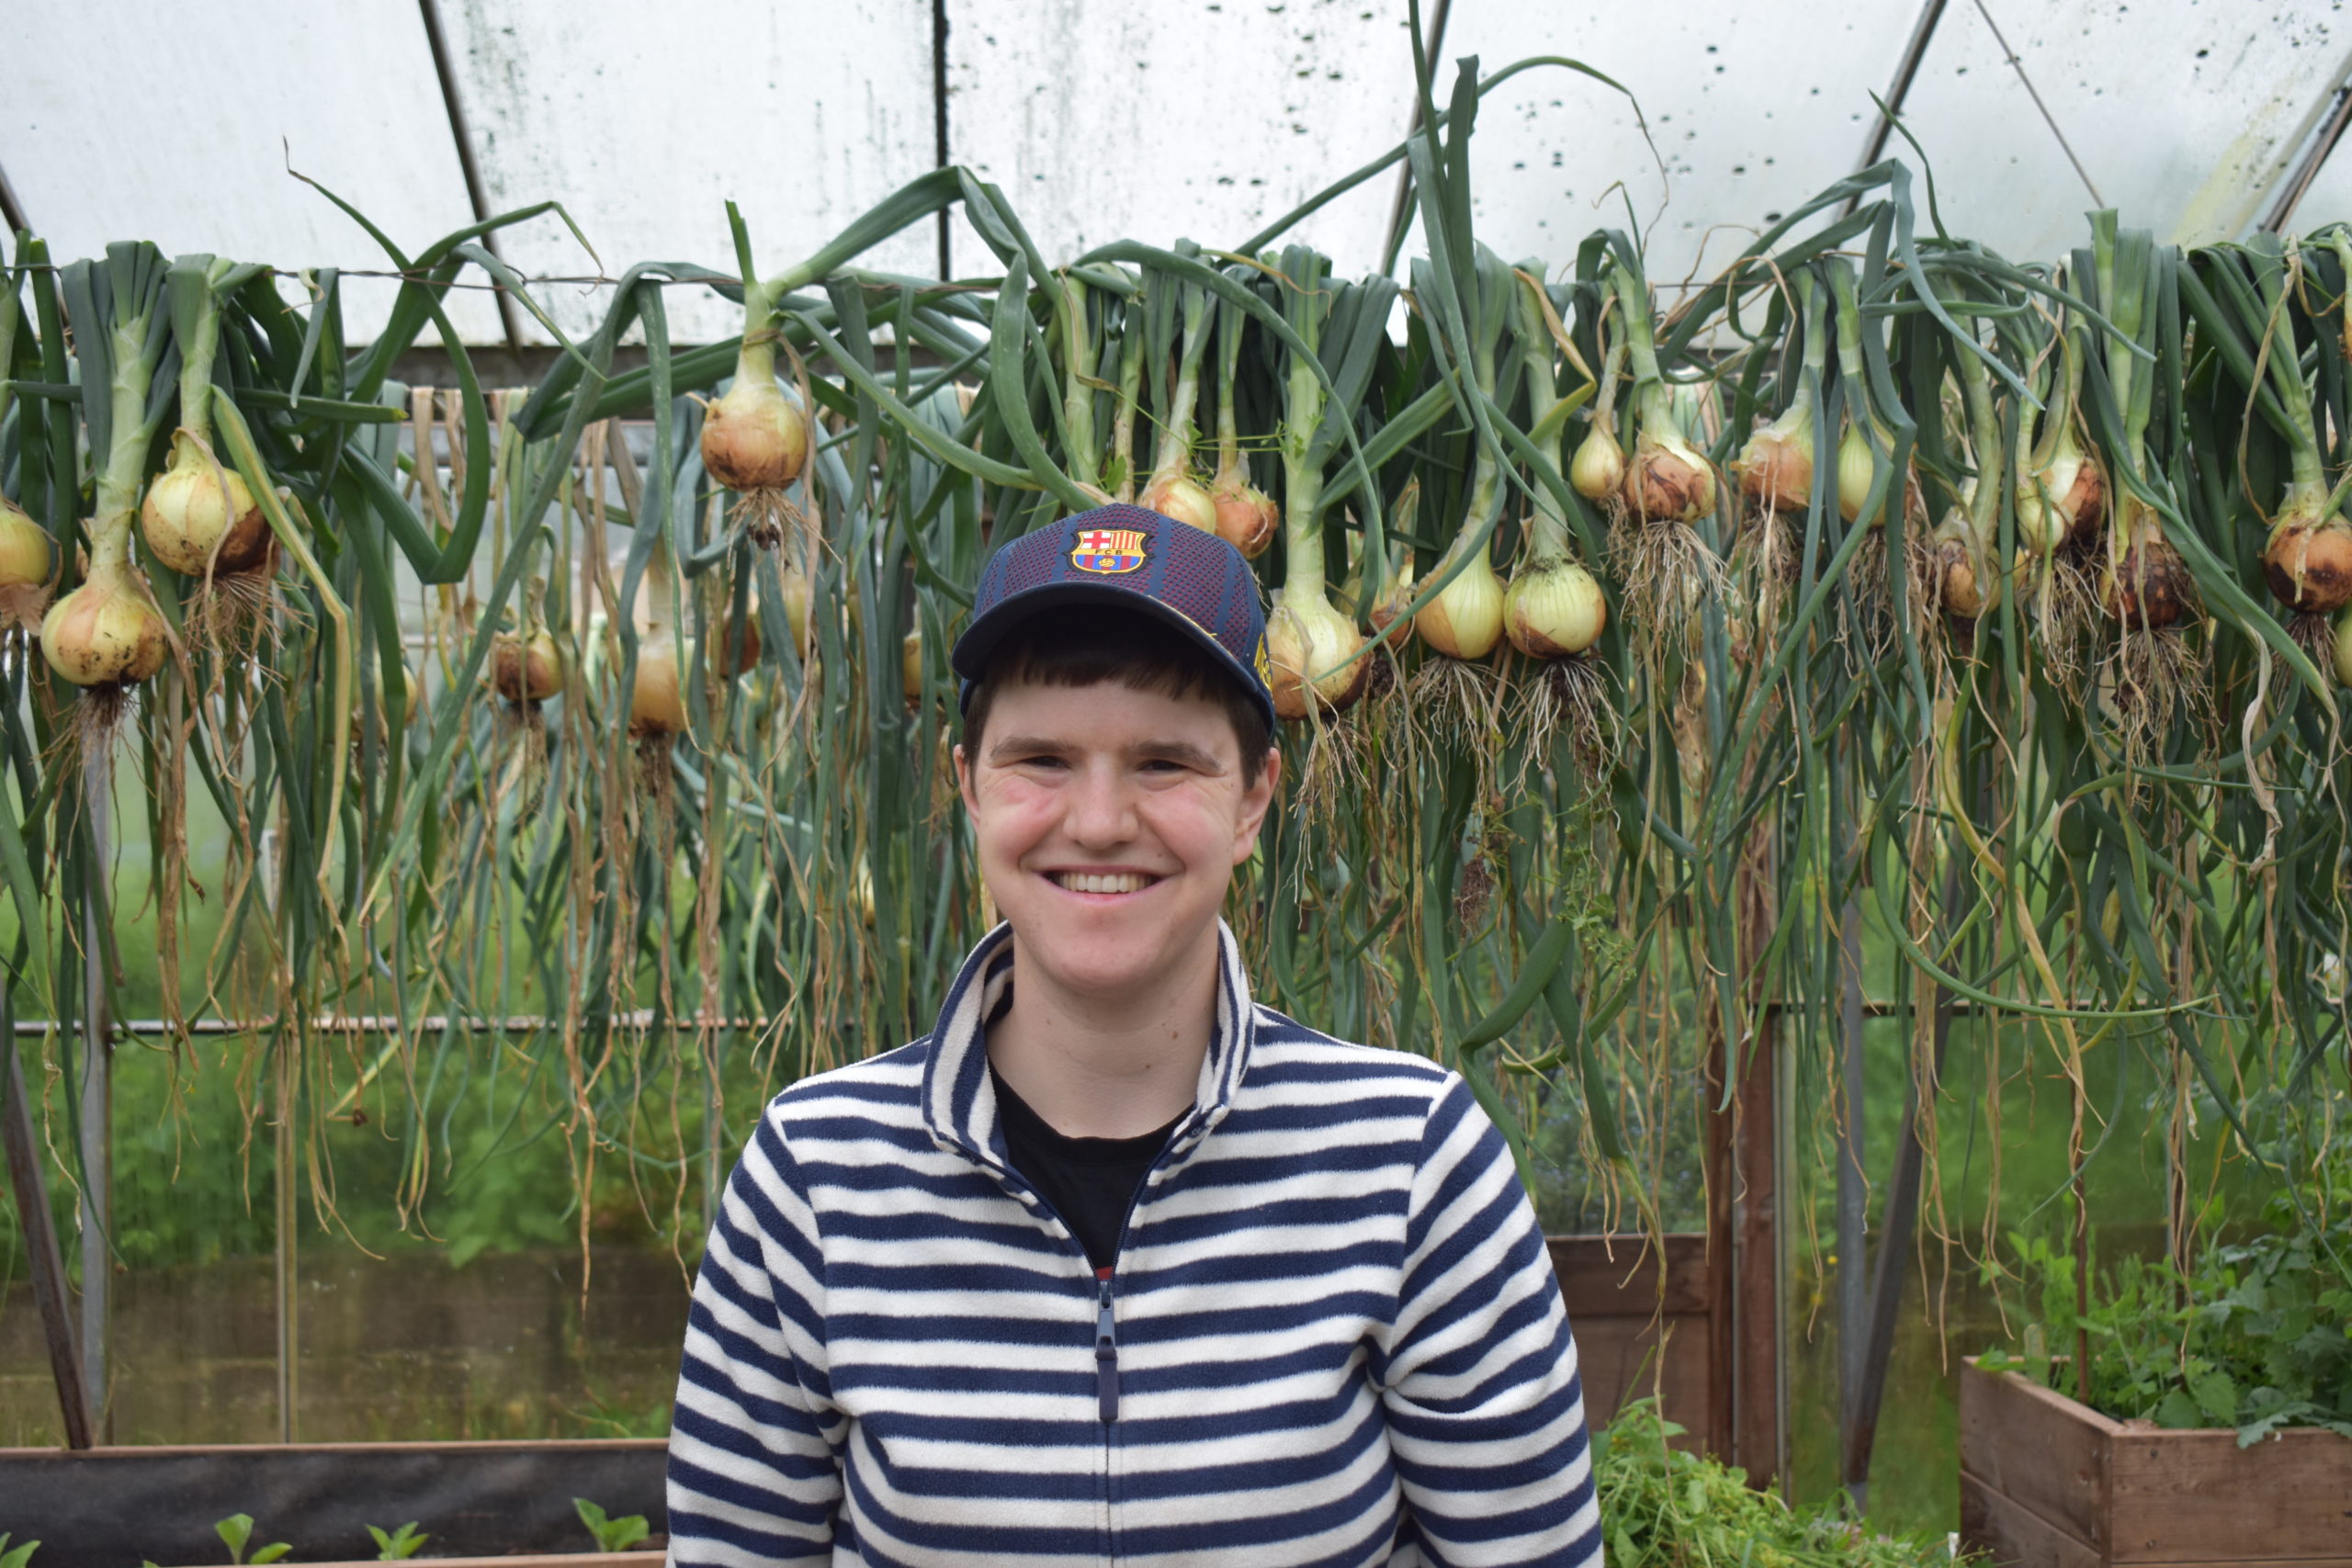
(1611, 1288)
(2045, 1483)
(107, 1508)
(102, 1507)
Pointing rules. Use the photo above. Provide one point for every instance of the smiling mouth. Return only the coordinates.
(1100, 881)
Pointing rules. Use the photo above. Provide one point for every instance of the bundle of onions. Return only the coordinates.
(1667, 570)
(755, 438)
(1311, 648)
(1245, 515)
(27, 566)
(1965, 573)
(1775, 468)
(107, 635)
(1775, 471)
(2150, 670)
(2061, 494)
(2307, 559)
(1553, 608)
(199, 517)
(1172, 490)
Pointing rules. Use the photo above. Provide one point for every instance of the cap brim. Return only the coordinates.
(982, 638)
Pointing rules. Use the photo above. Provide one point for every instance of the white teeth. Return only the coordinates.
(1101, 882)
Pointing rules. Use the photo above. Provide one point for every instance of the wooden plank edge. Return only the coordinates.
(2046, 1543)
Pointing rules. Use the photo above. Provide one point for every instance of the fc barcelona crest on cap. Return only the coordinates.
(1107, 551)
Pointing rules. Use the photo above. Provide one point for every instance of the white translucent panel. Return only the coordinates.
(1105, 119)
(2179, 110)
(177, 124)
(1749, 108)
(644, 121)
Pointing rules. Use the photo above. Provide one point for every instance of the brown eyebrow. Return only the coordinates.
(1179, 752)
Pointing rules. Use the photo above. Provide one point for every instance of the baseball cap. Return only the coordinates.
(1130, 559)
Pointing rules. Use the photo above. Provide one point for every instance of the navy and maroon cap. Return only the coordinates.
(1131, 559)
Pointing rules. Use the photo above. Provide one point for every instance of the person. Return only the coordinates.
(1116, 1264)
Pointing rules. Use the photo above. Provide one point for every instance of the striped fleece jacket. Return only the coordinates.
(1332, 1335)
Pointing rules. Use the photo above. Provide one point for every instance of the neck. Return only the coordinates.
(1099, 1069)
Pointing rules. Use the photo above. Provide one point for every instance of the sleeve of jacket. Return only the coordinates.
(1485, 1411)
(755, 1443)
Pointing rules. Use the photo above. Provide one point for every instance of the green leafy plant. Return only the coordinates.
(612, 1535)
(1666, 1508)
(397, 1545)
(2256, 1336)
(236, 1531)
(16, 1556)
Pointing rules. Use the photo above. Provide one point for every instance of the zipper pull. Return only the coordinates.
(1106, 1354)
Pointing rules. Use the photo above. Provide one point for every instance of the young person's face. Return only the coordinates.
(1108, 823)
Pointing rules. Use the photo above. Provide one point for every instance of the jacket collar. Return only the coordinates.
(960, 1097)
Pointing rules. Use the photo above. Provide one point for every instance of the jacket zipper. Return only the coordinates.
(1106, 1352)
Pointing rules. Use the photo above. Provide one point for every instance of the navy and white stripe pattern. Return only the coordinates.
(1334, 1337)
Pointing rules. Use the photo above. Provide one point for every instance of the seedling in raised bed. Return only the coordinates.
(612, 1535)
(398, 1545)
(237, 1529)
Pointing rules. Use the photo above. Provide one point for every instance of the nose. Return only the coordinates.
(1102, 806)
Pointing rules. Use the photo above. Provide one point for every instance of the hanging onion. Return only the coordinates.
(27, 566)
(525, 669)
(200, 517)
(107, 632)
(1554, 610)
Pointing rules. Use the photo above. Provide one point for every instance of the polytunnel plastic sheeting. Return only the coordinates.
(1103, 119)
(645, 122)
(1202, 121)
(156, 121)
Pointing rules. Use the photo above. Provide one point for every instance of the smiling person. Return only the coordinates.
(1116, 1264)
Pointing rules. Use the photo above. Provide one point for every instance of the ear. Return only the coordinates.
(963, 785)
(1255, 801)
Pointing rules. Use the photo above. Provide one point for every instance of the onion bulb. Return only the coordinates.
(1966, 584)
(1856, 467)
(27, 566)
(1387, 613)
(1775, 467)
(107, 632)
(1465, 619)
(754, 437)
(1599, 467)
(1184, 499)
(200, 516)
(1246, 516)
(2076, 492)
(1669, 481)
(1553, 609)
(2146, 585)
(2308, 560)
(1306, 641)
(656, 704)
(910, 665)
(525, 669)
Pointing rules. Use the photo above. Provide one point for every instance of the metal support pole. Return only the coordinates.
(50, 1291)
(509, 319)
(96, 1107)
(1899, 1227)
(1853, 1185)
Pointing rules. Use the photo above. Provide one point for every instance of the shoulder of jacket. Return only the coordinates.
(1287, 1048)
(878, 1085)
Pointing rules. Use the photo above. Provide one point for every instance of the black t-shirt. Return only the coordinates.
(1091, 1182)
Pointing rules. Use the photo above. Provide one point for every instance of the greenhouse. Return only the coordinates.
(1346, 780)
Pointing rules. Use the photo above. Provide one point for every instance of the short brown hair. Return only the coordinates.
(1089, 645)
